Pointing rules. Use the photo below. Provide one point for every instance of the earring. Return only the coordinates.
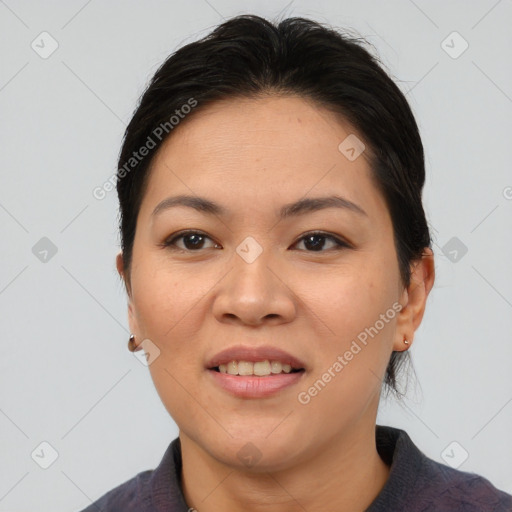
(131, 343)
(406, 342)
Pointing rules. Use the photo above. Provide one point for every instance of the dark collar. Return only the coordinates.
(414, 480)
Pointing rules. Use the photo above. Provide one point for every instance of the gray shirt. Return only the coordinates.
(415, 484)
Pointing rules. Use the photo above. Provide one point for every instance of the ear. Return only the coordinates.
(120, 269)
(414, 299)
(132, 318)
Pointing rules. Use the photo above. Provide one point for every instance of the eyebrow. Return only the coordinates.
(300, 207)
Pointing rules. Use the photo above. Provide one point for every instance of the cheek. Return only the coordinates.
(354, 334)
(348, 299)
(350, 363)
(168, 307)
(171, 307)
(166, 300)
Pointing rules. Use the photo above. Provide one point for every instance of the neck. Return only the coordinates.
(347, 474)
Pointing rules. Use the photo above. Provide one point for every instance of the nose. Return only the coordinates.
(254, 293)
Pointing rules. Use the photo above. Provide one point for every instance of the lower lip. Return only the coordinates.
(250, 386)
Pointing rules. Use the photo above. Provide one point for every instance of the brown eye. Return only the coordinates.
(191, 241)
(316, 242)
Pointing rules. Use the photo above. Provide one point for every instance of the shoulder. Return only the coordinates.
(418, 483)
(150, 490)
(454, 490)
(126, 497)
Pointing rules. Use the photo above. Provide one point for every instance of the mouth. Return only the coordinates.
(250, 360)
(264, 368)
(255, 372)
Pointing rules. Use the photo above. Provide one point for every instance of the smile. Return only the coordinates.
(258, 368)
(247, 371)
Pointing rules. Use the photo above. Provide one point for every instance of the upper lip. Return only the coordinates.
(254, 354)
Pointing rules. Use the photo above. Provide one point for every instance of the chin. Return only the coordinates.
(256, 453)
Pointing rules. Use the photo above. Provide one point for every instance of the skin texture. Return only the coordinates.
(252, 156)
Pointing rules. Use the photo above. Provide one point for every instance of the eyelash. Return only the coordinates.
(171, 242)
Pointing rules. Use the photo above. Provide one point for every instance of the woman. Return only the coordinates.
(277, 263)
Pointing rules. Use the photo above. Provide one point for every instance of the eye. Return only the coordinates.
(196, 240)
(191, 241)
(316, 241)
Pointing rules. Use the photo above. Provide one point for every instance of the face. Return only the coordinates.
(318, 281)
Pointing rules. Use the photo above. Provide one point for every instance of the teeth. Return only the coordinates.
(260, 368)
(276, 367)
(233, 368)
(245, 368)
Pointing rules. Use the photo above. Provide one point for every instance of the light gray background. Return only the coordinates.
(67, 377)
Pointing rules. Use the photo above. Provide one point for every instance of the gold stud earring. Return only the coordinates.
(131, 343)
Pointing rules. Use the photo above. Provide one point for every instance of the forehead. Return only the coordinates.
(252, 152)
